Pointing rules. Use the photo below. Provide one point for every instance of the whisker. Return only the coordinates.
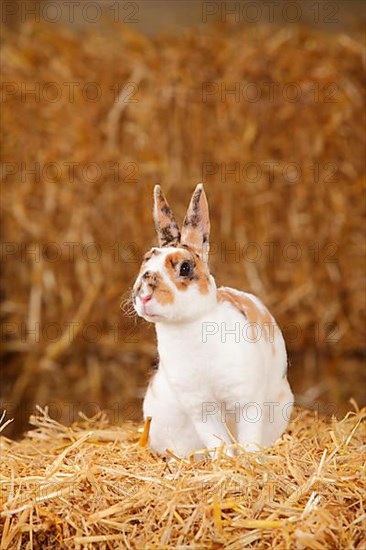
(126, 304)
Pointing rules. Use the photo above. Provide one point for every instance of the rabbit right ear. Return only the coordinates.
(165, 224)
(196, 224)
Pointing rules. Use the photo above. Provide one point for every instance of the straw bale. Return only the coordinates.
(93, 485)
(168, 135)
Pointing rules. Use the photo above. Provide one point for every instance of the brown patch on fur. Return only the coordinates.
(200, 272)
(203, 281)
(258, 316)
(160, 290)
(171, 263)
(149, 255)
(163, 294)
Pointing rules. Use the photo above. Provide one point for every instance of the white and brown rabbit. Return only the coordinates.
(222, 373)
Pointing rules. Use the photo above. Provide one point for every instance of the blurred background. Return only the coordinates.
(262, 101)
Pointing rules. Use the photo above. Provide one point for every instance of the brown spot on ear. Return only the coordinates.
(193, 215)
(259, 316)
(167, 235)
(166, 227)
(196, 225)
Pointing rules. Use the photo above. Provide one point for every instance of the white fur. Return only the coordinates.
(198, 382)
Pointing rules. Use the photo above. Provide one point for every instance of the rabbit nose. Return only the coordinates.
(145, 299)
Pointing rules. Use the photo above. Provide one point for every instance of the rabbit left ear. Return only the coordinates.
(166, 227)
(196, 225)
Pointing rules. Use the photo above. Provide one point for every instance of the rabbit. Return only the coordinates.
(222, 373)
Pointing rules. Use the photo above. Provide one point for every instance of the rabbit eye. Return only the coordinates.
(185, 269)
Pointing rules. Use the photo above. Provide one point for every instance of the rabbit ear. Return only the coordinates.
(196, 225)
(165, 224)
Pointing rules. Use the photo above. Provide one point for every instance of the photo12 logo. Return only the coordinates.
(70, 172)
(68, 251)
(69, 91)
(271, 12)
(253, 332)
(271, 92)
(69, 11)
(267, 171)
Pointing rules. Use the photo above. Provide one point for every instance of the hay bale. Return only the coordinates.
(93, 485)
(75, 229)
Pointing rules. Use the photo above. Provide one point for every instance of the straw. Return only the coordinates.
(71, 487)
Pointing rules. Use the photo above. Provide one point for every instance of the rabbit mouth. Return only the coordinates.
(147, 311)
(150, 314)
(147, 314)
(152, 317)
